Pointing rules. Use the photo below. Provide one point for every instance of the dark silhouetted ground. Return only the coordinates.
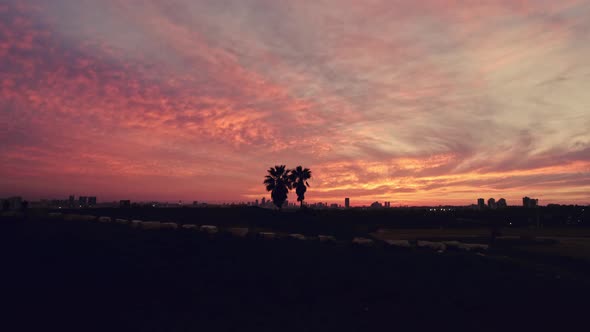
(83, 276)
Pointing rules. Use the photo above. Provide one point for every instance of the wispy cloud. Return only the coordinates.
(413, 102)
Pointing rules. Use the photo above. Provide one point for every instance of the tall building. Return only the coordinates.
(501, 203)
(492, 203)
(263, 201)
(92, 201)
(125, 203)
(71, 201)
(481, 203)
(347, 202)
(528, 202)
(83, 201)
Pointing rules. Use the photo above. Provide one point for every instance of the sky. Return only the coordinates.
(415, 102)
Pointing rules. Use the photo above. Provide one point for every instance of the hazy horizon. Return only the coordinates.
(415, 102)
(354, 204)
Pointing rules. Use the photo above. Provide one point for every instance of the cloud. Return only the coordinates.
(414, 102)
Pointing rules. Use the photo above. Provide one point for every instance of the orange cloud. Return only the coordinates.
(414, 102)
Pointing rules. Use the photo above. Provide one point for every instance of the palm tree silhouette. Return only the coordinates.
(278, 183)
(298, 178)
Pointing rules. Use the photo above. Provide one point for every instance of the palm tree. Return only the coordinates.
(278, 183)
(299, 177)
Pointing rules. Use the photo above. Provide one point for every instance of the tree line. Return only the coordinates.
(280, 180)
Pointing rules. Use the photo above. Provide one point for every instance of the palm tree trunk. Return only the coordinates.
(301, 204)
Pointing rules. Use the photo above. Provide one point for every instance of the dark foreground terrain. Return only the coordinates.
(84, 276)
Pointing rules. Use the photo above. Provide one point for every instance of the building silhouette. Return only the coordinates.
(124, 203)
(319, 205)
(501, 203)
(376, 205)
(492, 203)
(347, 202)
(481, 203)
(13, 203)
(528, 202)
(92, 201)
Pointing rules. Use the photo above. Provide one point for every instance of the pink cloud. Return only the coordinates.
(425, 102)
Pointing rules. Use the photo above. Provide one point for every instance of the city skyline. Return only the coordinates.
(74, 201)
(414, 103)
(352, 202)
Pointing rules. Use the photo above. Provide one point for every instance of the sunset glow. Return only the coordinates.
(414, 102)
